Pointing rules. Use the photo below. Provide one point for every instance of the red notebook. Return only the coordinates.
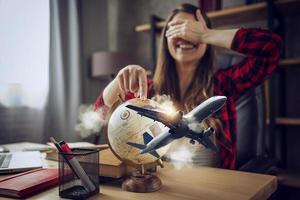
(28, 183)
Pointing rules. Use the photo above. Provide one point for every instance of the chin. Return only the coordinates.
(188, 58)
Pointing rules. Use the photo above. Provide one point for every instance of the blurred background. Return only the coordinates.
(57, 55)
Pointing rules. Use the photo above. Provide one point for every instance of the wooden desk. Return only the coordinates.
(191, 183)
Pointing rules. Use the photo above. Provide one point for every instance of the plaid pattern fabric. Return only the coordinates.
(262, 49)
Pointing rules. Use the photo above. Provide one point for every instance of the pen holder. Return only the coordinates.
(79, 173)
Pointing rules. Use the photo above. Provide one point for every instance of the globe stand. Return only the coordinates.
(141, 181)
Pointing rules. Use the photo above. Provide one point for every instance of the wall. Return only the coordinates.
(94, 34)
(123, 17)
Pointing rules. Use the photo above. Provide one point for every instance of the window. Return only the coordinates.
(24, 53)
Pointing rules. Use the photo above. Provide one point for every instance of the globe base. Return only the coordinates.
(142, 183)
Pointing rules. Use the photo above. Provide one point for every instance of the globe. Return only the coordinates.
(125, 125)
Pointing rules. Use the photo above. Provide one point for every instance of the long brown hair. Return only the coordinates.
(166, 79)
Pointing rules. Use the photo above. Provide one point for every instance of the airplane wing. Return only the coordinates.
(204, 139)
(155, 115)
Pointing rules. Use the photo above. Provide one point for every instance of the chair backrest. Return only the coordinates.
(251, 112)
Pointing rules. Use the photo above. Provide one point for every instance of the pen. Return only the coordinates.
(74, 165)
(63, 155)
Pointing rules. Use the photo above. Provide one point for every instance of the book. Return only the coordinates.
(110, 165)
(26, 146)
(28, 183)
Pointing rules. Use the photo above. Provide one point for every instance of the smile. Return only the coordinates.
(183, 45)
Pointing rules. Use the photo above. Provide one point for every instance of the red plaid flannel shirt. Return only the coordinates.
(262, 49)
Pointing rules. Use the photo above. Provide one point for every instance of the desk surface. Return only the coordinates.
(190, 183)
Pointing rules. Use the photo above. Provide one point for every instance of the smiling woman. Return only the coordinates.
(186, 71)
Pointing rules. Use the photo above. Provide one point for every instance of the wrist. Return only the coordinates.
(110, 92)
(208, 36)
(220, 38)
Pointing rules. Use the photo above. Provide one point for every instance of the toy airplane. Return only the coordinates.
(179, 126)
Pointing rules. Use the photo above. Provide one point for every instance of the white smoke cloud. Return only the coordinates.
(165, 103)
(90, 121)
(182, 157)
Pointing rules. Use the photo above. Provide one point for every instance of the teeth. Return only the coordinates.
(186, 46)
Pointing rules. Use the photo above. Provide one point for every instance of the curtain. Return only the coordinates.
(64, 71)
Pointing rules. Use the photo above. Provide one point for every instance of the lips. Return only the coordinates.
(181, 44)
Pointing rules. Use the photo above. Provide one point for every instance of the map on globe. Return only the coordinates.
(125, 125)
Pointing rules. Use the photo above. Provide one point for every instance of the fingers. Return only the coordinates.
(126, 79)
(143, 87)
(178, 31)
(133, 78)
(133, 85)
(190, 30)
(200, 17)
(176, 22)
(174, 29)
(178, 34)
(121, 82)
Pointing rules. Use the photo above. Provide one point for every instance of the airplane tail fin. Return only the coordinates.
(147, 138)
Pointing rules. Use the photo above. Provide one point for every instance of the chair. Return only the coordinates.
(251, 130)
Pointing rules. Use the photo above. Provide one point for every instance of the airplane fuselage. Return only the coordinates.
(179, 128)
(167, 137)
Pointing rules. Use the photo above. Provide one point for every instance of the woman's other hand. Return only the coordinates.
(189, 30)
(133, 78)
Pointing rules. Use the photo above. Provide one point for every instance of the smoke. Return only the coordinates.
(165, 103)
(182, 157)
(184, 154)
(90, 121)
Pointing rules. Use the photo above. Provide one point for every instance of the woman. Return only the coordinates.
(185, 70)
